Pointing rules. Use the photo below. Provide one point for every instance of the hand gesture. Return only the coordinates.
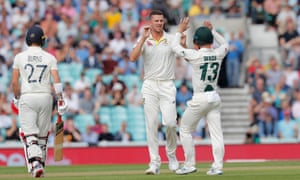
(183, 24)
(146, 32)
(208, 24)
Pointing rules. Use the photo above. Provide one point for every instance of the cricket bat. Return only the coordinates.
(59, 137)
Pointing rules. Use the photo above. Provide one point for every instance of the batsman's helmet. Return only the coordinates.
(35, 35)
(203, 36)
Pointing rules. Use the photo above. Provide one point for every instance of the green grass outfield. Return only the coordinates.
(272, 170)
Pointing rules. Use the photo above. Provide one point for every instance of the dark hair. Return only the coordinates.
(155, 12)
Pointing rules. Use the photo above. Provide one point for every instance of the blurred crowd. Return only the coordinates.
(92, 39)
(275, 85)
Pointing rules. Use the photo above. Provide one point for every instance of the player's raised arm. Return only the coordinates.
(137, 50)
(178, 45)
(219, 39)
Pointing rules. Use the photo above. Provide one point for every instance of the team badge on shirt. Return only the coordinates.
(149, 43)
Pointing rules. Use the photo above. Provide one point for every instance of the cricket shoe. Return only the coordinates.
(173, 164)
(186, 170)
(214, 172)
(153, 170)
(37, 170)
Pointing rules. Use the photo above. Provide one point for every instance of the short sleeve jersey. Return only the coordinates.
(35, 65)
(159, 59)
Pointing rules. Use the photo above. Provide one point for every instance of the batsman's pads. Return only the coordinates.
(62, 108)
(202, 36)
(43, 145)
(35, 34)
(32, 150)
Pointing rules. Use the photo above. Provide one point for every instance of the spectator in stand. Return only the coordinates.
(267, 118)
(296, 105)
(3, 67)
(66, 28)
(101, 5)
(216, 4)
(254, 69)
(87, 103)
(105, 135)
(118, 98)
(256, 99)
(286, 12)
(198, 8)
(97, 85)
(5, 21)
(257, 12)
(92, 61)
(112, 16)
(134, 96)
(183, 95)
(103, 98)
(123, 135)
(236, 50)
(20, 18)
(287, 128)
(290, 74)
(287, 35)
(280, 91)
(233, 9)
(217, 13)
(109, 62)
(52, 48)
(116, 80)
(99, 38)
(82, 51)
(81, 84)
(71, 133)
(130, 16)
(71, 97)
(125, 66)
(90, 136)
(274, 72)
(49, 25)
(118, 43)
(144, 18)
(272, 8)
(68, 9)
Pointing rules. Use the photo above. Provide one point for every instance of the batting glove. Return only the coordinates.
(15, 105)
(62, 107)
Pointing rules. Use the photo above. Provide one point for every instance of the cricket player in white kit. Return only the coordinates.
(34, 67)
(158, 89)
(206, 102)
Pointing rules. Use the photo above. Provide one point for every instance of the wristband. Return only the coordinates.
(58, 88)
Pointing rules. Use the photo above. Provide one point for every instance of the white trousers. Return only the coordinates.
(198, 108)
(35, 113)
(160, 96)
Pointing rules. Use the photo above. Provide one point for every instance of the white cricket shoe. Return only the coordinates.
(173, 164)
(37, 170)
(214, 172)
(186, 170)
(153, 170)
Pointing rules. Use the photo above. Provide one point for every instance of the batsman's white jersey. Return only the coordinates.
(159, 93)
(34, 65)
(35, 103)
(206, 64)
